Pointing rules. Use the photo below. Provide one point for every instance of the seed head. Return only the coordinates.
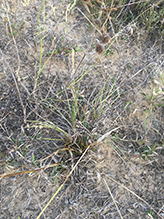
(105, 38)
(99, 48)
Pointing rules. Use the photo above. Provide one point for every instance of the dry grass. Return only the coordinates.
(81, 110)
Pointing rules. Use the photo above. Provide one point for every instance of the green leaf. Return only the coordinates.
(55, 171)
(38, 136)
(77, 49)
(33, 158)
(14, 140)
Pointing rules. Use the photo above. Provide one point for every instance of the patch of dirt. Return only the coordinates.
(112, 180)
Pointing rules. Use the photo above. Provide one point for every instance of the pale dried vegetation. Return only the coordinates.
(82, 109)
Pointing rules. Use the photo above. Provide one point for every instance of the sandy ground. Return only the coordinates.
(112, 180)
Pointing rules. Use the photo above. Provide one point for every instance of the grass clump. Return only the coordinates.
(70, 111)
(75, 115)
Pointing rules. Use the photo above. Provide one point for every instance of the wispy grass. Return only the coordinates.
(75, 114)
